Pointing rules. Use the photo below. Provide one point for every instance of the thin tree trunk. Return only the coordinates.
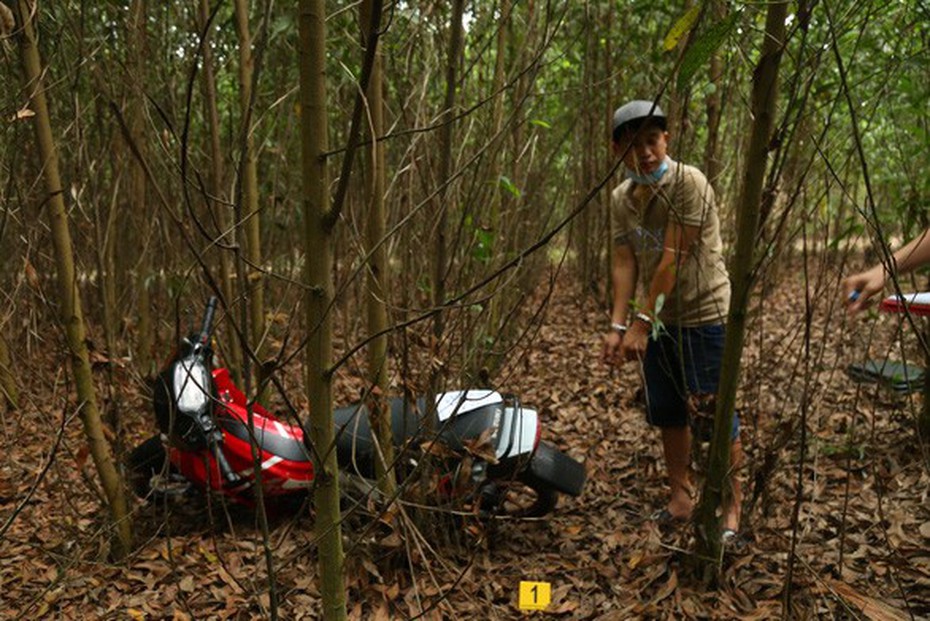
(7, 378)
(495, 305)
(318, 243)
(676, 106)
(219, 208)
(923, 419)
(497, 122)
(249, 182)
(513, 219)
(376, 303)
(440, 257)
(70, 302)
(587, 247)
(103, 238)
(742, 275)
(606, 220)
(145, 340)
(137, 190)
(249, 272)
(9, 391)
(108, 259)
(714, 100)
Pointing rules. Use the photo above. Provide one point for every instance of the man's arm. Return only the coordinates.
(913, 255)
(623, 274)
(623, 277)
(679, 239)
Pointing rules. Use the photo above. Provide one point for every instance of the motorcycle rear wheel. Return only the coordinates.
(517, 499)
(151, 475)
(552, 469)
(535, 490)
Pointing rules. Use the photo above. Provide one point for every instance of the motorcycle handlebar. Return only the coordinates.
(204, 337)
(225, 469)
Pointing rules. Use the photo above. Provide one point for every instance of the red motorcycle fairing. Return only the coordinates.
(286, 464)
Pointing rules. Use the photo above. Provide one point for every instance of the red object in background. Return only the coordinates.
(915, 303)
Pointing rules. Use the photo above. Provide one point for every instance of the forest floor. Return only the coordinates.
(859, 527)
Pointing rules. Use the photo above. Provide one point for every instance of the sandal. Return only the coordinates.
(664, 517)
(732, 540)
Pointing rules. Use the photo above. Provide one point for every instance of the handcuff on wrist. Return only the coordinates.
(621, 328)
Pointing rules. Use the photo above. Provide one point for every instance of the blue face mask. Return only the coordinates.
(651, 178)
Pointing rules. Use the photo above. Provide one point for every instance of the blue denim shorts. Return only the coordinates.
(682, 361)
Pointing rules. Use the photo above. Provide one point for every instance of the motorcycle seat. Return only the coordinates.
(273, 437)
(354, 445)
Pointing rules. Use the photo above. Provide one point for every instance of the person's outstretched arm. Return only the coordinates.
(858, 288)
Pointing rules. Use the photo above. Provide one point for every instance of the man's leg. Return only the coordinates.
(666, 409)
(676, 445)
(705, 354)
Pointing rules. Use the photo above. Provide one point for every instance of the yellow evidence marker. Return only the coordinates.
(535, 595)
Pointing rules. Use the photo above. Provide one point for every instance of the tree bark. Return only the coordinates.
(742, 275)
(440, 249)
(318, 243)
(104, 234)
(606, 220)
(496, 171)
(249, 183)
(70, 303)
(676, 107)
(7, 378)
(378, 410)
(220, 210)
(497, 118)
(145, 335)
(714, 103)
(588, 247)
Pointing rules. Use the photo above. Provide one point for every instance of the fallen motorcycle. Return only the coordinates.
(491, 449)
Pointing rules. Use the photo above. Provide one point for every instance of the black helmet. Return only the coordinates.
(631, 115)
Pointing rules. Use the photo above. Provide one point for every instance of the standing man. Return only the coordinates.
(667, 233)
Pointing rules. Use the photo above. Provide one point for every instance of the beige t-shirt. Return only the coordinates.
(702, 288)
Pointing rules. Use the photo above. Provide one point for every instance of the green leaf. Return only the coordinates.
(283, 24)
(540, 123)
(660, 302)
(509, 186)
(702, 49)
(682, 26)
(423, 284)
(481, 251)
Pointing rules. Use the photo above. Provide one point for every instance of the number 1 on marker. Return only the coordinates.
(534, 595)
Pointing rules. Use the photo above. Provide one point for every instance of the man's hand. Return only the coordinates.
(858, 288)
(611, 350)
(634, 342)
